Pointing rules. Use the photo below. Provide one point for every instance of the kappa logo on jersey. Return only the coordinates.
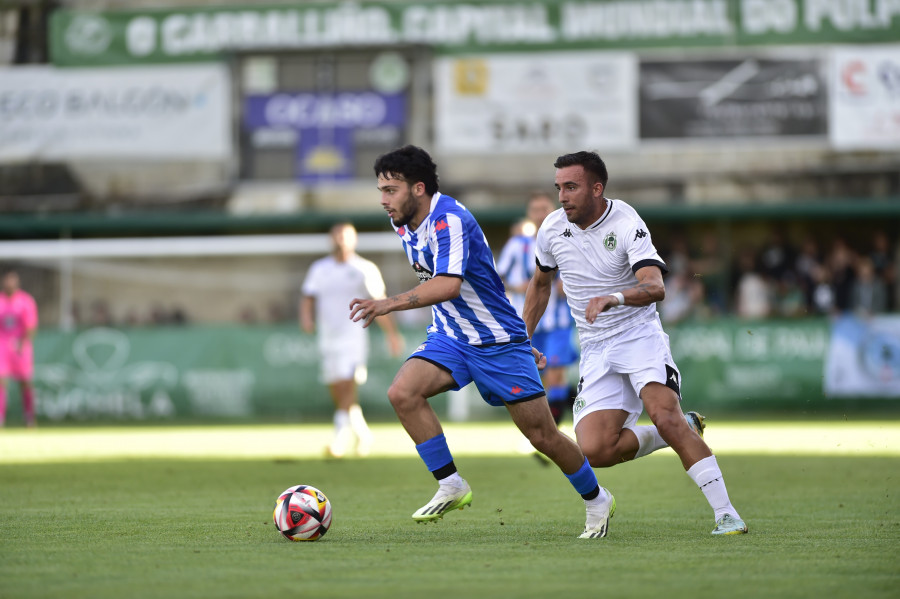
(422, 273)
(401, 231)
(640, 234)
(441, 225)
(420, 348)
(566, 233)
(516, 390)
(609, 242)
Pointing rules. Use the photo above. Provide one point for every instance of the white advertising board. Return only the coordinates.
(161, 112)
(865, 97)
(535, 103)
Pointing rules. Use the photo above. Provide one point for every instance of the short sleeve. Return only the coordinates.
(450, 242)
(373, 280)
(640, 248)
(542, 254)
(312, 284)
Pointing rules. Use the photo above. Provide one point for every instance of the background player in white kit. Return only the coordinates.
(613, 276)
(328, 288)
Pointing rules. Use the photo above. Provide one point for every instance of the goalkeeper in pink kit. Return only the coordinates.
(18, 323)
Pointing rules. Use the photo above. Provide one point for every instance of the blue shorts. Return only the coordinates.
(557, 346)
(504, 373)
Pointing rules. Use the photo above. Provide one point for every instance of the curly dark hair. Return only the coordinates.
(411, 164)
(591, 162)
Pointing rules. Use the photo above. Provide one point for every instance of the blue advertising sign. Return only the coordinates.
(363, 110)
(326, 123)
(325, 155)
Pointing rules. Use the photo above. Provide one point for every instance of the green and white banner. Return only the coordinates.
(82, 38)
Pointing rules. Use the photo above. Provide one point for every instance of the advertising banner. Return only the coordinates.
(864, 358)
(211, 372)
(766, 364)
(531, 103)
(864, 86)
(270, 371)
(83, 37)
(145, 112)
(326, 125)
(732, 98)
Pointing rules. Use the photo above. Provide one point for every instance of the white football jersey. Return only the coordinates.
(334, 284)
(599, 260)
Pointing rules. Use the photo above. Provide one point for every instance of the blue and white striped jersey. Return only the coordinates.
(449, 242)
(516, 266)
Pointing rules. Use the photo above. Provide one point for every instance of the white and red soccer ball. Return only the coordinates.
(302, 513)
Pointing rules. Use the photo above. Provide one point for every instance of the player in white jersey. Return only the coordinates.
(613, 277)
(329, 286)
(475, 336)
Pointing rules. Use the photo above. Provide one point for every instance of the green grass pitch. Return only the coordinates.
(85, 514)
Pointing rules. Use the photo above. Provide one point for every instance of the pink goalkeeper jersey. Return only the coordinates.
(18, 314)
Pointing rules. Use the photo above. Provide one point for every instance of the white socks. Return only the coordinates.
(708, 477)
(648, 439)
(600, 500)
(454, 480)
(358, 422)
(342, 433)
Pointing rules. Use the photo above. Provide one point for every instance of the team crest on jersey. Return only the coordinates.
(578, 405)
(609, 242)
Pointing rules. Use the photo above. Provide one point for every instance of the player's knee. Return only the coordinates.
(600, 455)
(670, 424)
(401, 399)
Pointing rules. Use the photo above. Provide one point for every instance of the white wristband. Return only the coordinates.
(619, 297)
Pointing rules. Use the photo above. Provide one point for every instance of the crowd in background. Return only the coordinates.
(780, 280)
(769, 278)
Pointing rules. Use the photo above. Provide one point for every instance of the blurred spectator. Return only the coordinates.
(808, 266)
(823, 294)
(278, 313)
(678, 258)
(752, 296)
(100, 316)
(869, 295)
(777, 258)
(248, 315)
(710, 266)
(885, 267)
(684, 298)
(789, 300)
(841, 261)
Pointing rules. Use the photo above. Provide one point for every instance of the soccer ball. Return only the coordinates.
(302, 513)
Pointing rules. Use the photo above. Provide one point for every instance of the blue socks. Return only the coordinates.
(585, 481)
(436, 455)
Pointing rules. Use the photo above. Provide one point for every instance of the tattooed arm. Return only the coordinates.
(431, 292)
(649, 289)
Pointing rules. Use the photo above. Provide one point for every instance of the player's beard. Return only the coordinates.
(406, 211)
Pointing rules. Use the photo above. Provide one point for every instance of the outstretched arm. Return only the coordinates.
(431, 292)
(650, 288)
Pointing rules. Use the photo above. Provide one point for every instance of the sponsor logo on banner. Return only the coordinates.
(864, 110)
(82, 37)
(143, 112)
(531, 103)
(327, 126)
(732, 98)
(101, 381)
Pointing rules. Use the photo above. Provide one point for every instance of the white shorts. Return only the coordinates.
(615, 370)
(343, 364)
